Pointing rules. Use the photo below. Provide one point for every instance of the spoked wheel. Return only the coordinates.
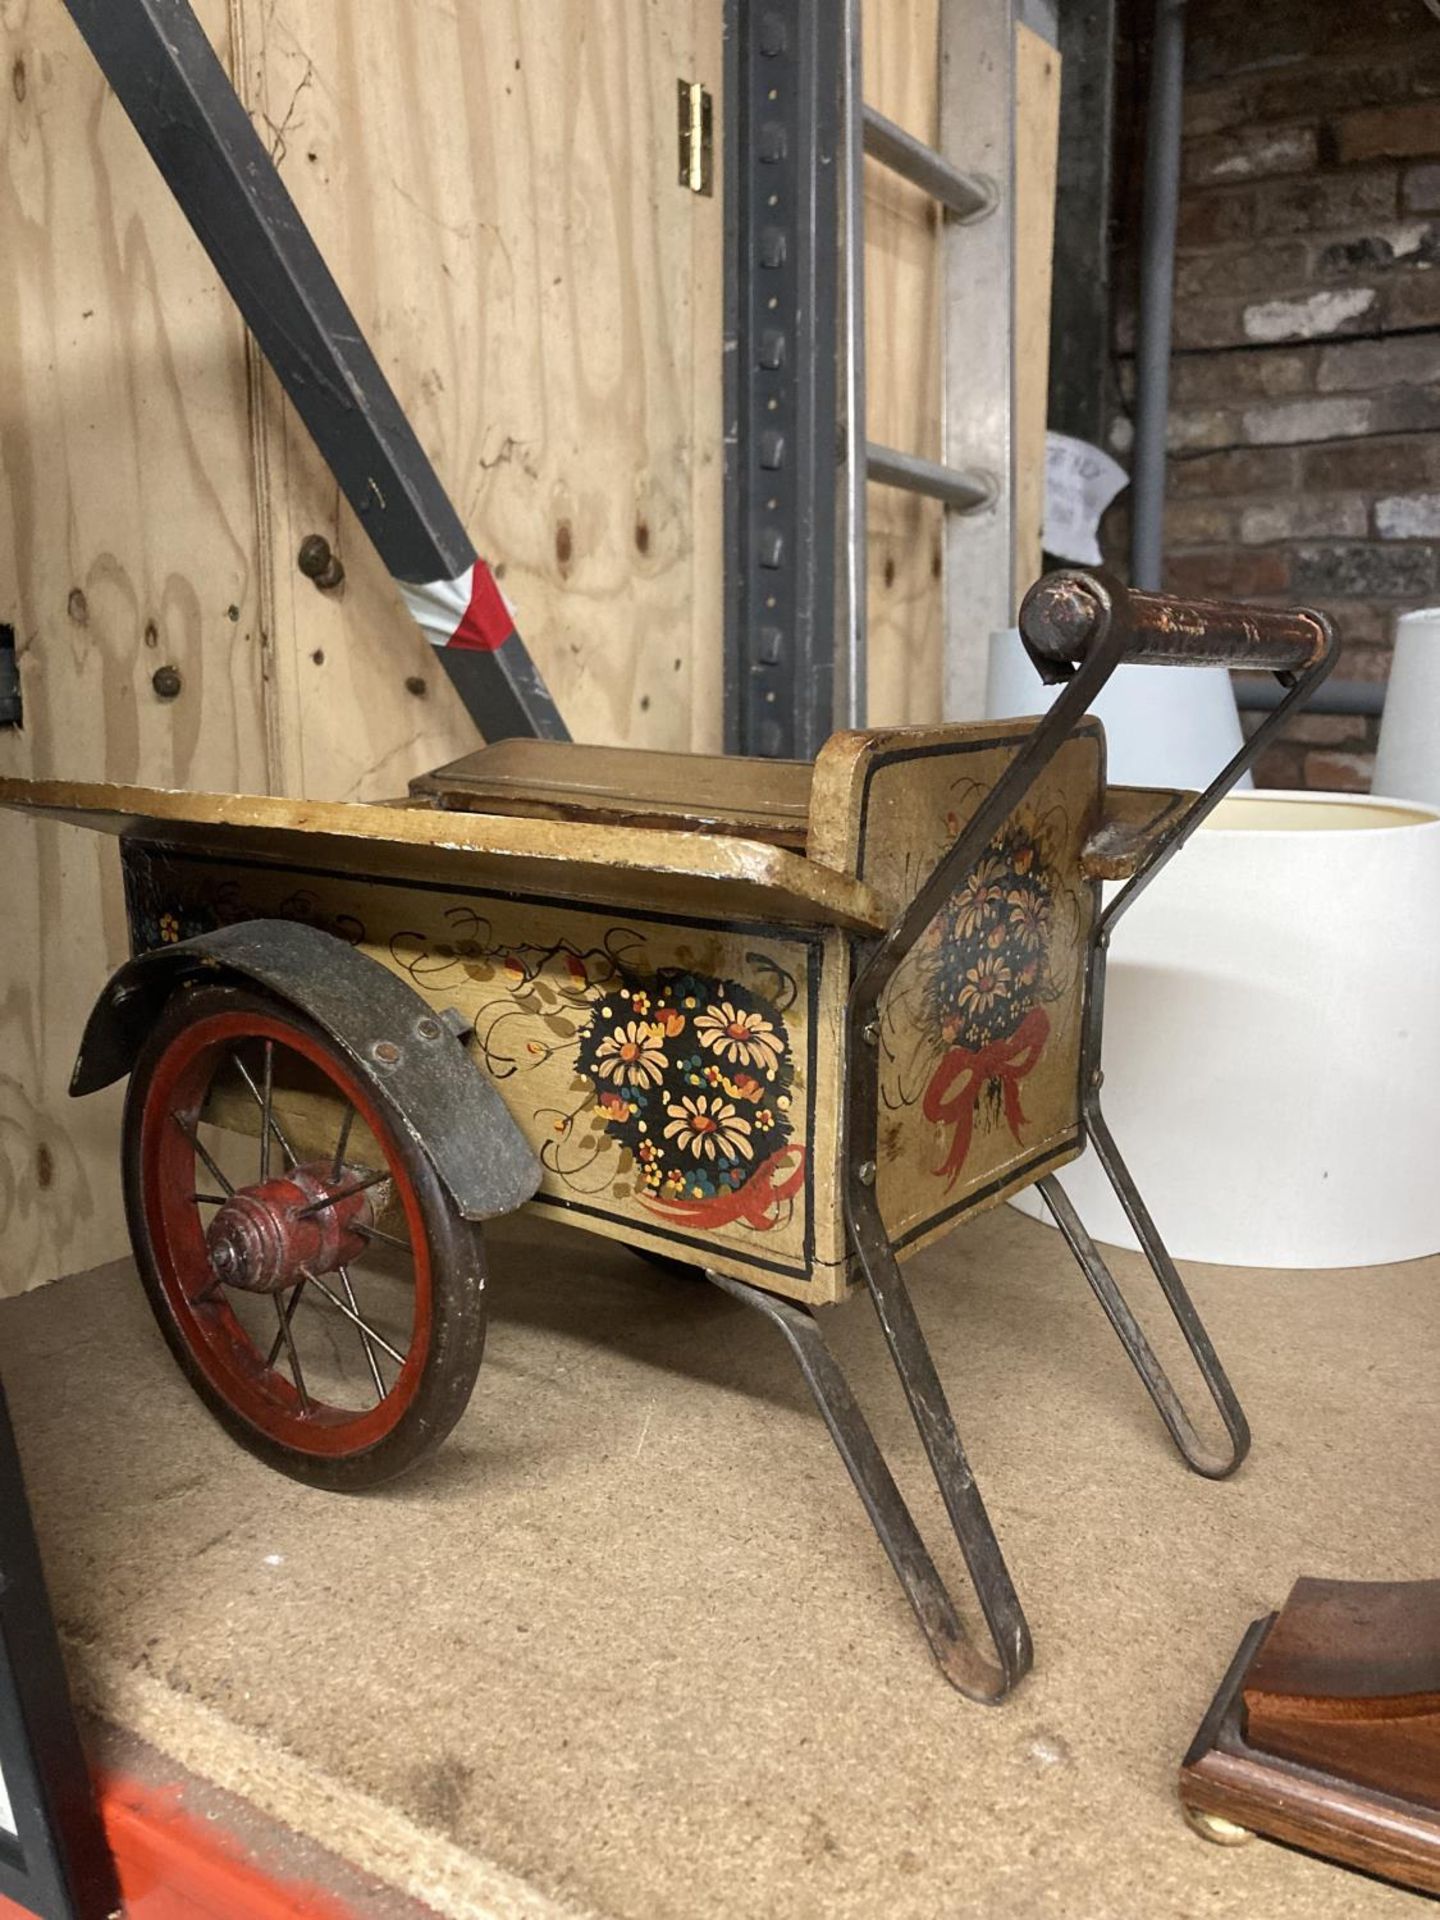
(310, 1274)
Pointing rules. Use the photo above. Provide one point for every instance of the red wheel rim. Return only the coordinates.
(252, 1382)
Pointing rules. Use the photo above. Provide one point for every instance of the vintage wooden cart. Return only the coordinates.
(782, 1023)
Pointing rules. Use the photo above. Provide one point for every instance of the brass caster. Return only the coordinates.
(1212, 1827)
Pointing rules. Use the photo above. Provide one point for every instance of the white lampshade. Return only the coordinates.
(1164, 726)
(1407, 762)
(1272, 1039)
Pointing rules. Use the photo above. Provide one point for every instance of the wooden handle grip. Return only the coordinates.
(1064, 613)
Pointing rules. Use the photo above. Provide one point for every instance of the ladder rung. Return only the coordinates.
(962, 487)
(965, 194)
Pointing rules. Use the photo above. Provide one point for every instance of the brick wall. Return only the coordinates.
(1305, 398)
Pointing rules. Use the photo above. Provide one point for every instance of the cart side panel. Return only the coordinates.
(667, 1070)
(981, 1027)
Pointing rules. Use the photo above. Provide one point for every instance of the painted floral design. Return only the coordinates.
(988, 980)
(746, 1037)
(709, 1127)
(695, 1077)
(167, 904)
(634, 1055)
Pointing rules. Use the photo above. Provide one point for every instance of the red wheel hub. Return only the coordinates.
(268, 1237)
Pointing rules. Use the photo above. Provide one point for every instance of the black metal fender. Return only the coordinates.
(410, 1057)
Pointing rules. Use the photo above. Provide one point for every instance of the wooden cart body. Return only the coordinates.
(719, 934)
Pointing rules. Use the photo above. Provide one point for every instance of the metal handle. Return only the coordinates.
(1064, 615)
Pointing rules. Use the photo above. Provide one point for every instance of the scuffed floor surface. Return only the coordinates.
(628, 1646)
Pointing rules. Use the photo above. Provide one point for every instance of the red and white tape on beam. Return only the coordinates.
(469, 611)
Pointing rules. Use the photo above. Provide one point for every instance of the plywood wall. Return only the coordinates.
(495, 186)
(128, 542)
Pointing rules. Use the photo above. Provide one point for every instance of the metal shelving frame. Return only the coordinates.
(798, 131)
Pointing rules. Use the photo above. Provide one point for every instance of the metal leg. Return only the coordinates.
(1205, 1460)
(962, 1663)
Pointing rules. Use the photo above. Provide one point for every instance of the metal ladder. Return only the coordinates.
(977, 115)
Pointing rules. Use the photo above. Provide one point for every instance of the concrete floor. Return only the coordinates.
(629, 1648)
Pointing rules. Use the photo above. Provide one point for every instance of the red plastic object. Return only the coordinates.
(173, 1866)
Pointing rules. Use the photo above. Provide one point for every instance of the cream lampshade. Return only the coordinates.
(1164, 726)
(1407, 762)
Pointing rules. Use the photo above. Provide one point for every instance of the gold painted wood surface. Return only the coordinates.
(1133, 820)
(980, 1029)
(554, 780)
(574, 860)
(840, 792)
(627, 1048)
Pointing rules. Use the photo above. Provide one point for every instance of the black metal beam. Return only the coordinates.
(165, 74)
(783, 124)
(1080, 315)
(1363, 699)
(55, 1862)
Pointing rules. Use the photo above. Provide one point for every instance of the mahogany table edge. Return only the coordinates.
(1223, 1777)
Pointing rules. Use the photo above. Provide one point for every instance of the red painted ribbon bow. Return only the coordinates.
(954, 1092)
(755, 1204)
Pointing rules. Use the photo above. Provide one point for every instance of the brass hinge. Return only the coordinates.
(697, 137)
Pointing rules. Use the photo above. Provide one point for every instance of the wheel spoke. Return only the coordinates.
(343, 1193)
(289, 1339)
(192, 1134)
(349, 1314)
(208, 1199)
(376, 1233)
(290, 1305)
(340, 1145)
(274, 1126)
(364, 1335)
(267, 1111)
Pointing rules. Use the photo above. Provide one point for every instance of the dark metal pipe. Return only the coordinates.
(1365, 697)
(963, 488)
(967, 195)
(1157, 280)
